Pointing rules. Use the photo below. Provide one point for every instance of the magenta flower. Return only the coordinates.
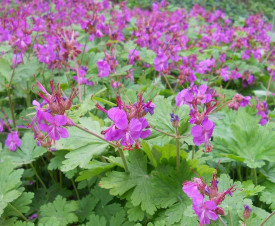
(13, 141)
(161, 62)
(133, 55)
(191, 189)
(239, 101)
(204, 210)
(104, 68)
(202, 133)
(54, 129)
(125, 131)
(184, 97)
(262, 108)
(1, 125)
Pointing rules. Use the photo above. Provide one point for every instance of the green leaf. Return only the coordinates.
(9, 183)
(268, 195)
(268, 170)
(56, 161)
(28, 151)
(250, 189)
(105, 207)
(60, 211)
(96, 221)
(22, 203)
(162, 121)
(147, 55)
(94, 168)
(86, 206)
(5, 69)
(120, 219)
(119, 182)
(178, 214)
(82, 145)
(134, 213)
(247, 141)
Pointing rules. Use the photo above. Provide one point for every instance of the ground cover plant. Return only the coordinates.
(113, 115)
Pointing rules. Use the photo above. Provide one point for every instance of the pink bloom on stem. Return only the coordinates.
(104, 68)
(204, 210)
(1, 125)
(133, 55)
(123, 130)
(239, 101)
(202, 133)
(191, 189)
(13, 141)
(161, 62)
(54, 129)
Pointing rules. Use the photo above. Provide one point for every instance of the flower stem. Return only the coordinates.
(268, 86)
(178, 148)
(255, 175)
(17, 211)
(76, 192)
(94, 134)
(230, 217)
(123, 160)
(267, 218)
(167, 82)
(41, 181)
(221, 220)
(78, 80)
(60, 179)
(193, 151)
(12, 109)
(168, 134)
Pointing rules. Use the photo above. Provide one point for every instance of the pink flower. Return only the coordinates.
(104, 68)
(161, 62)
(202, 133)
(133, 55)
(13, 141)
(204, 210)
(54, 129)
(239, 101)
(125, 131)
(1, 125)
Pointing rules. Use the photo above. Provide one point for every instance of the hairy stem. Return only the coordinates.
(12, 109)
(40, 180)
(78, 79)
(17, 211)
(221, 220)
(255, 176)
(94, 134)
(193, 151)
(168, 134)
(167, 82)
(230, 217)
(178, 148)
(268, 87)
(123, 160)
(267, 218)
(75, 189)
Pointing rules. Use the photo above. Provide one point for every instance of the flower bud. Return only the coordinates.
(219, 211)
(247, 212)
(175, 120)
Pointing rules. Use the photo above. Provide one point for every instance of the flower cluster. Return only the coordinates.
(13, 141)
(195, 97)
(262, 108)
(206, 209)
(239, 101)
(129, 124)
(50, 115)
(106, 66)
